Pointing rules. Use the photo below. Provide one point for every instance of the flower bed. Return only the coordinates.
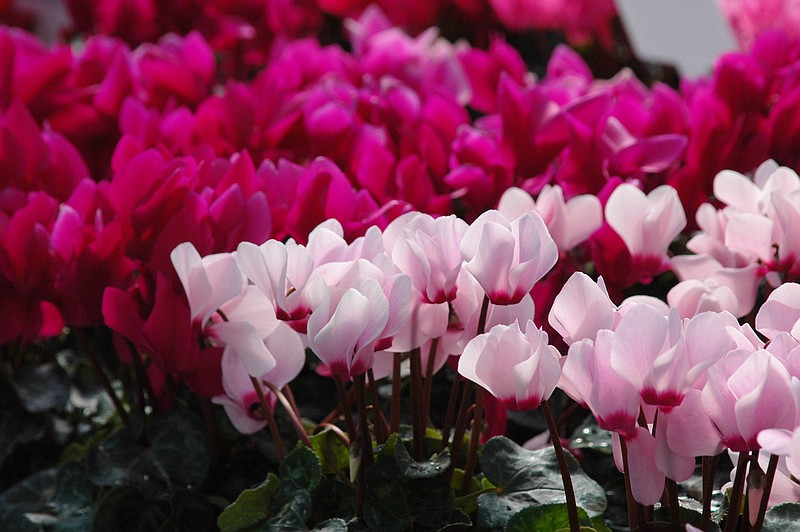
(263, 268)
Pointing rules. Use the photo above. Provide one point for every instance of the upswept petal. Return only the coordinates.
(639, 339)
(674, 466)
(780, 312)
(246, 343)
(493, 259)
(286, 346)
(751, 235)
(335, 340)
(737, 191)
(581, 309)
(768, 404)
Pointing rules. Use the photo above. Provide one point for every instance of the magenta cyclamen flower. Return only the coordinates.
(508, 258)
(520, 369)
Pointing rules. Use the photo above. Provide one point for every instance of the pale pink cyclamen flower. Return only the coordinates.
(356, 310)
(464, 314)
(281, 271)
(520, 369)
(747, 391)
(241, 401)
(587, 377)
(508, 258)
(215, 283)
(569, 222)
(662, 356)
(583, 307)
(726, 289)
(428, 251)
(646, 223)
(753, 236)
(780, 312)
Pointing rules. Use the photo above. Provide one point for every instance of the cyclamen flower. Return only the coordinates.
(241, 400)
(520, 369)
(356, 309)
(746, 392)
(569, 222)
(428, 251)
(508, 258)
(646, 223)
(780, 312)
(213, 282)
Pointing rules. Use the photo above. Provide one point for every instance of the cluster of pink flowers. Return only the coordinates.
(418, 284)
(706, 383)
(411, 193)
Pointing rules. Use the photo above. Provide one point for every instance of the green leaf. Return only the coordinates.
(300, 470)
(251, 507)
(293, 514)
(782, 518)
(401, 494)
(72, 490)
(690, 512)
(433, 467)
(190, 511)
(177, 454)
(136, 509)
(42, 387)
(331, 451)
(18, 426)
(529, 478)
(458, 521)
(24, 497)
(334, 497)
(109, 462)
(544, 518)
(332, 525)
(178, 450)
(591, 436)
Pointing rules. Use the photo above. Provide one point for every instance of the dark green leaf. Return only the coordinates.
(190, 511)
(126, 509)
(334, 497)
(300, 470)
(458, 521)
(397, 500)
(71, 502)
(782, 518)
(24, 497)
(591, 436)
(251, 507)
(42, 387)
(331, 451)
(293, 514)
(332, 525)
(178, 449)
(18, 426)
(434, 467)
(109, 462)
(529, 478)
(177, 454)
(73, 490)
(691, 512)
(544, 518)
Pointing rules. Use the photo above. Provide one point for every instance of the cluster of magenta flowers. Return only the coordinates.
(227, 198)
